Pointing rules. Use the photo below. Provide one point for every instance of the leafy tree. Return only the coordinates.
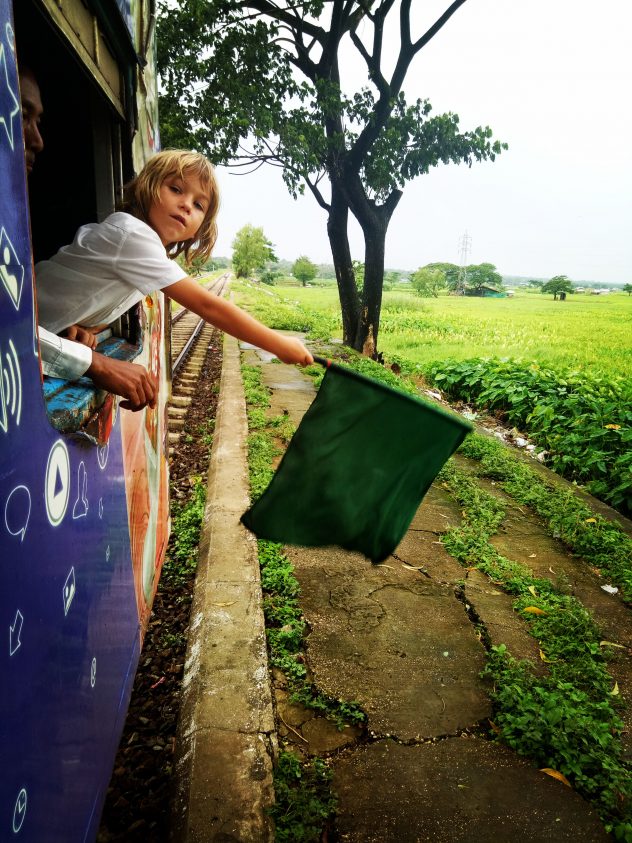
(390, 279)
(537, 283)
(558, 284)
(304, 269)
(483, 275)
(269, 70)
(251, 251)
(451, 273)
(428, 282)
(358, 274)
(197, 266)
(269, 276)
(627, 288)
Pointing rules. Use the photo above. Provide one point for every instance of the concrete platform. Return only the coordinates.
(398, 638)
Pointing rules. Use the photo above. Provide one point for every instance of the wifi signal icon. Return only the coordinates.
(10, 387)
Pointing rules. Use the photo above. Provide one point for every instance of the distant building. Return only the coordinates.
(487, 292)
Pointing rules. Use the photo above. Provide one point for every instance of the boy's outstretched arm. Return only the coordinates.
(228, 317)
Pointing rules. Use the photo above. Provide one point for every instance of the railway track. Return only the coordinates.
(190, 339)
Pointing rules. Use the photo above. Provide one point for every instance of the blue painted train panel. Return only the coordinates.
(69, 600)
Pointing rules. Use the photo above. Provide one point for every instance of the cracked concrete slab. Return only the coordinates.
(459, 790)
(396, 642)
(524, 539)
(495, 611)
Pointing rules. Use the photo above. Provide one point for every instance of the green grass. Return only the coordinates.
(594, 332)
(186, 524)
(304, 802)
(565, 720)
(584, 331)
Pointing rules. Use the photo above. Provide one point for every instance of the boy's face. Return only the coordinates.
(180, 209)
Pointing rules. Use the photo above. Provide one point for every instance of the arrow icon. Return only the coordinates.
(14, 633)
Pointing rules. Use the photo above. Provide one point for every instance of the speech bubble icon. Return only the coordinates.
(17, 511)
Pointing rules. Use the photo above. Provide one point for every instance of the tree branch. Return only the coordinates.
(267, 8)
(408, 50)
(445, 17)
(318, 196)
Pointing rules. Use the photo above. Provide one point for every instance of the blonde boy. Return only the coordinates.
(170, 208)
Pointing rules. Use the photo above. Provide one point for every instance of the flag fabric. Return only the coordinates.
(357, 468)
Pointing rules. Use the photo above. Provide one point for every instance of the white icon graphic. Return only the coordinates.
(10, 388)
(107, 553)
(100, 507)
(102, 454)
(12, 107)
(57, 484)
(11, 270)
(14, 633)
(69, 590)
(93, 673)
(17, 511)
(80, 509)
(19, 812)
(10, 37)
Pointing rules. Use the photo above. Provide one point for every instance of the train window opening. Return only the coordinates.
(77, 177)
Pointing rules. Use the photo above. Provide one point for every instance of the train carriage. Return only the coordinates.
(83, 483)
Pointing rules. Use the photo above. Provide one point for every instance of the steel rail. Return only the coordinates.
(220, 283)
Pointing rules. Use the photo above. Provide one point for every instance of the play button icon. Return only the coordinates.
(57, 488)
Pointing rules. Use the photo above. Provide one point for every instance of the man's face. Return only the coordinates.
(31, 115)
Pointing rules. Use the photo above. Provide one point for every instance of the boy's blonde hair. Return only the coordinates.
(143, 190)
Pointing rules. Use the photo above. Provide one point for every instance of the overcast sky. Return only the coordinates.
(552, 78)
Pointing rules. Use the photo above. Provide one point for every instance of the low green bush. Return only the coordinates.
(583, 421)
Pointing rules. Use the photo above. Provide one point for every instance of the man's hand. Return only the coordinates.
(129, 380)
(82, 335)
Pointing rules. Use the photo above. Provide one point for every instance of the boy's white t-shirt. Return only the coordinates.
(107, 268)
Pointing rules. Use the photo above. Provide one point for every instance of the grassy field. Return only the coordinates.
(584, 331)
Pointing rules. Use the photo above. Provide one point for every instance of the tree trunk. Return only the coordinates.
(339, 241)
(369, 322)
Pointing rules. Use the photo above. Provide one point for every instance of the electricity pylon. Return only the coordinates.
(465, 246)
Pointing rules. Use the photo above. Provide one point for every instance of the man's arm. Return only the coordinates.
(62, 358)
(122, 378)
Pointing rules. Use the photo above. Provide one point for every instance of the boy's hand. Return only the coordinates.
(82, 335)
(293, 351)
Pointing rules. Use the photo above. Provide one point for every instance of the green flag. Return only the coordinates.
(357, 468)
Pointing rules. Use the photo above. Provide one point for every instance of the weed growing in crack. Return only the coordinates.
(304, 801)
(598, 540)
(564, 720)
(256, 393)
(285, 631)
(186, 523)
